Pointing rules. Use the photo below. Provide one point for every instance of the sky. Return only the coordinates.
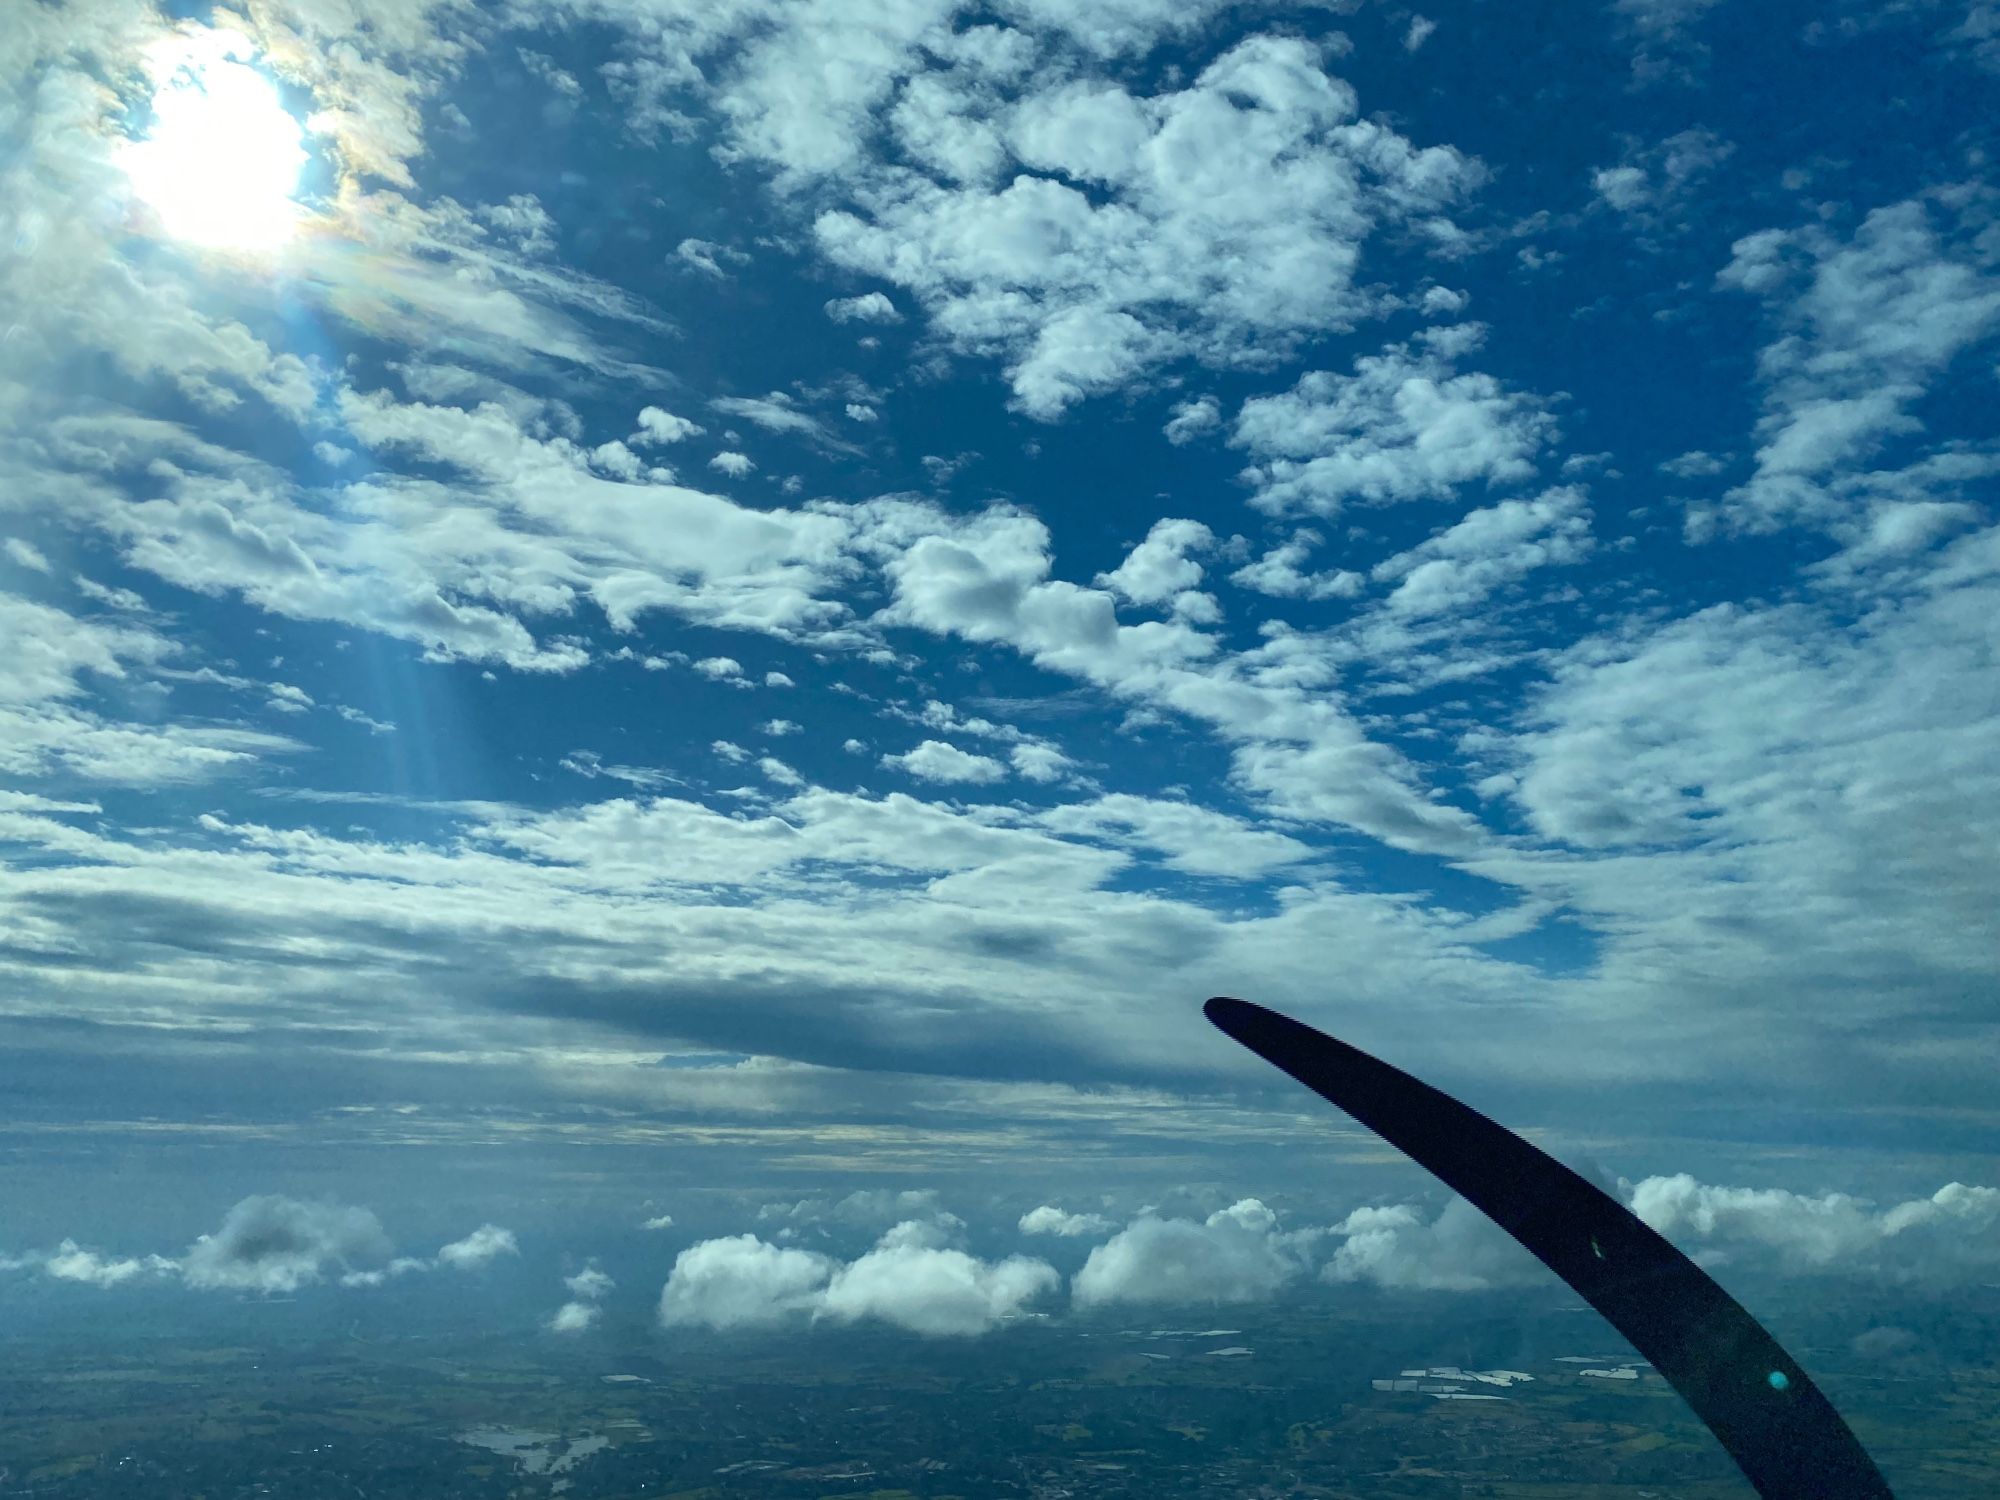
(723, 614)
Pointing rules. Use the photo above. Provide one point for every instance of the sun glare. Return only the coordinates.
(222, 161)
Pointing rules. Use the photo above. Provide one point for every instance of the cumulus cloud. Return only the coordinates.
(483, 1246)
(657, 425)
(735, 465)
(941, 761)
(1459, 1250)
(742, 1282)
(1192, 419)
(933, 1290)
(1048, 1219)
(276, 1244)
(1279, 573)
(71, 1262)
(910, 1279)
(1086, 234)
(659, 1221)
(1951, 1236)
(587, 1288)
(869, 307)
(1403, 426)
(1235, 1255)
(1487, 550)
(1159, 570)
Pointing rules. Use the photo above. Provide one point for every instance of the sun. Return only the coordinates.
(221, 163)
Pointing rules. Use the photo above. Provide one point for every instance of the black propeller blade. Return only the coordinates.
(1785, 1435)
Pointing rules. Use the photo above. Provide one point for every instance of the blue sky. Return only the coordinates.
(764, 596)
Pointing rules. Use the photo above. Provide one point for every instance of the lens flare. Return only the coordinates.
(222, 161)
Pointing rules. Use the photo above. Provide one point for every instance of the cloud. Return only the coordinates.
(1279, 574)
(1193, 419)
(659, 1221)
(1952, 1236)
(932, 1290)
(937, 760)
(1403, 426)
(776, 412)
(1048, 1219)
(1490, 548)
(1864, 328)
(1660, 187)
(27, 555)
(869, 307)
(71, 1262)
(483, 1246)
(1087, 235)
(707, 257)
(587, 1288)
(742, 1282)
(1419, 32)
(735, 465)
(1159, 570)
(719, 668)
(275, 1244)
(1235, 1255)
(909, 1279)
(1460, 1250)
(1192, 839)
(660, 426)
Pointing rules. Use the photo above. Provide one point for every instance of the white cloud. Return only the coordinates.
(1419, 32)
(587, 1288)
(27, 555)
(778, 680)
(719, 668)
(69, 1261)
(742, 1282)
(480, 1248)
(1159, 570)
(1220, 221)
(1235, 1255)
(938, 760)
(1192, 419)
(776, 412)
(1039, 763)
(1877, 319)
(933, 1290)
(1048, 1219)
(778, 728)
(909, 1279)
(660, 426)
(1403, 426)
(735, 465)
(1279, 574)
(1192, 839)
(1659, 186)
(1951, 1236)
(276, 1244)
(1460, 1250)
(869, 307)
(1694, 464)
(707, 257)
(1489, 548)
